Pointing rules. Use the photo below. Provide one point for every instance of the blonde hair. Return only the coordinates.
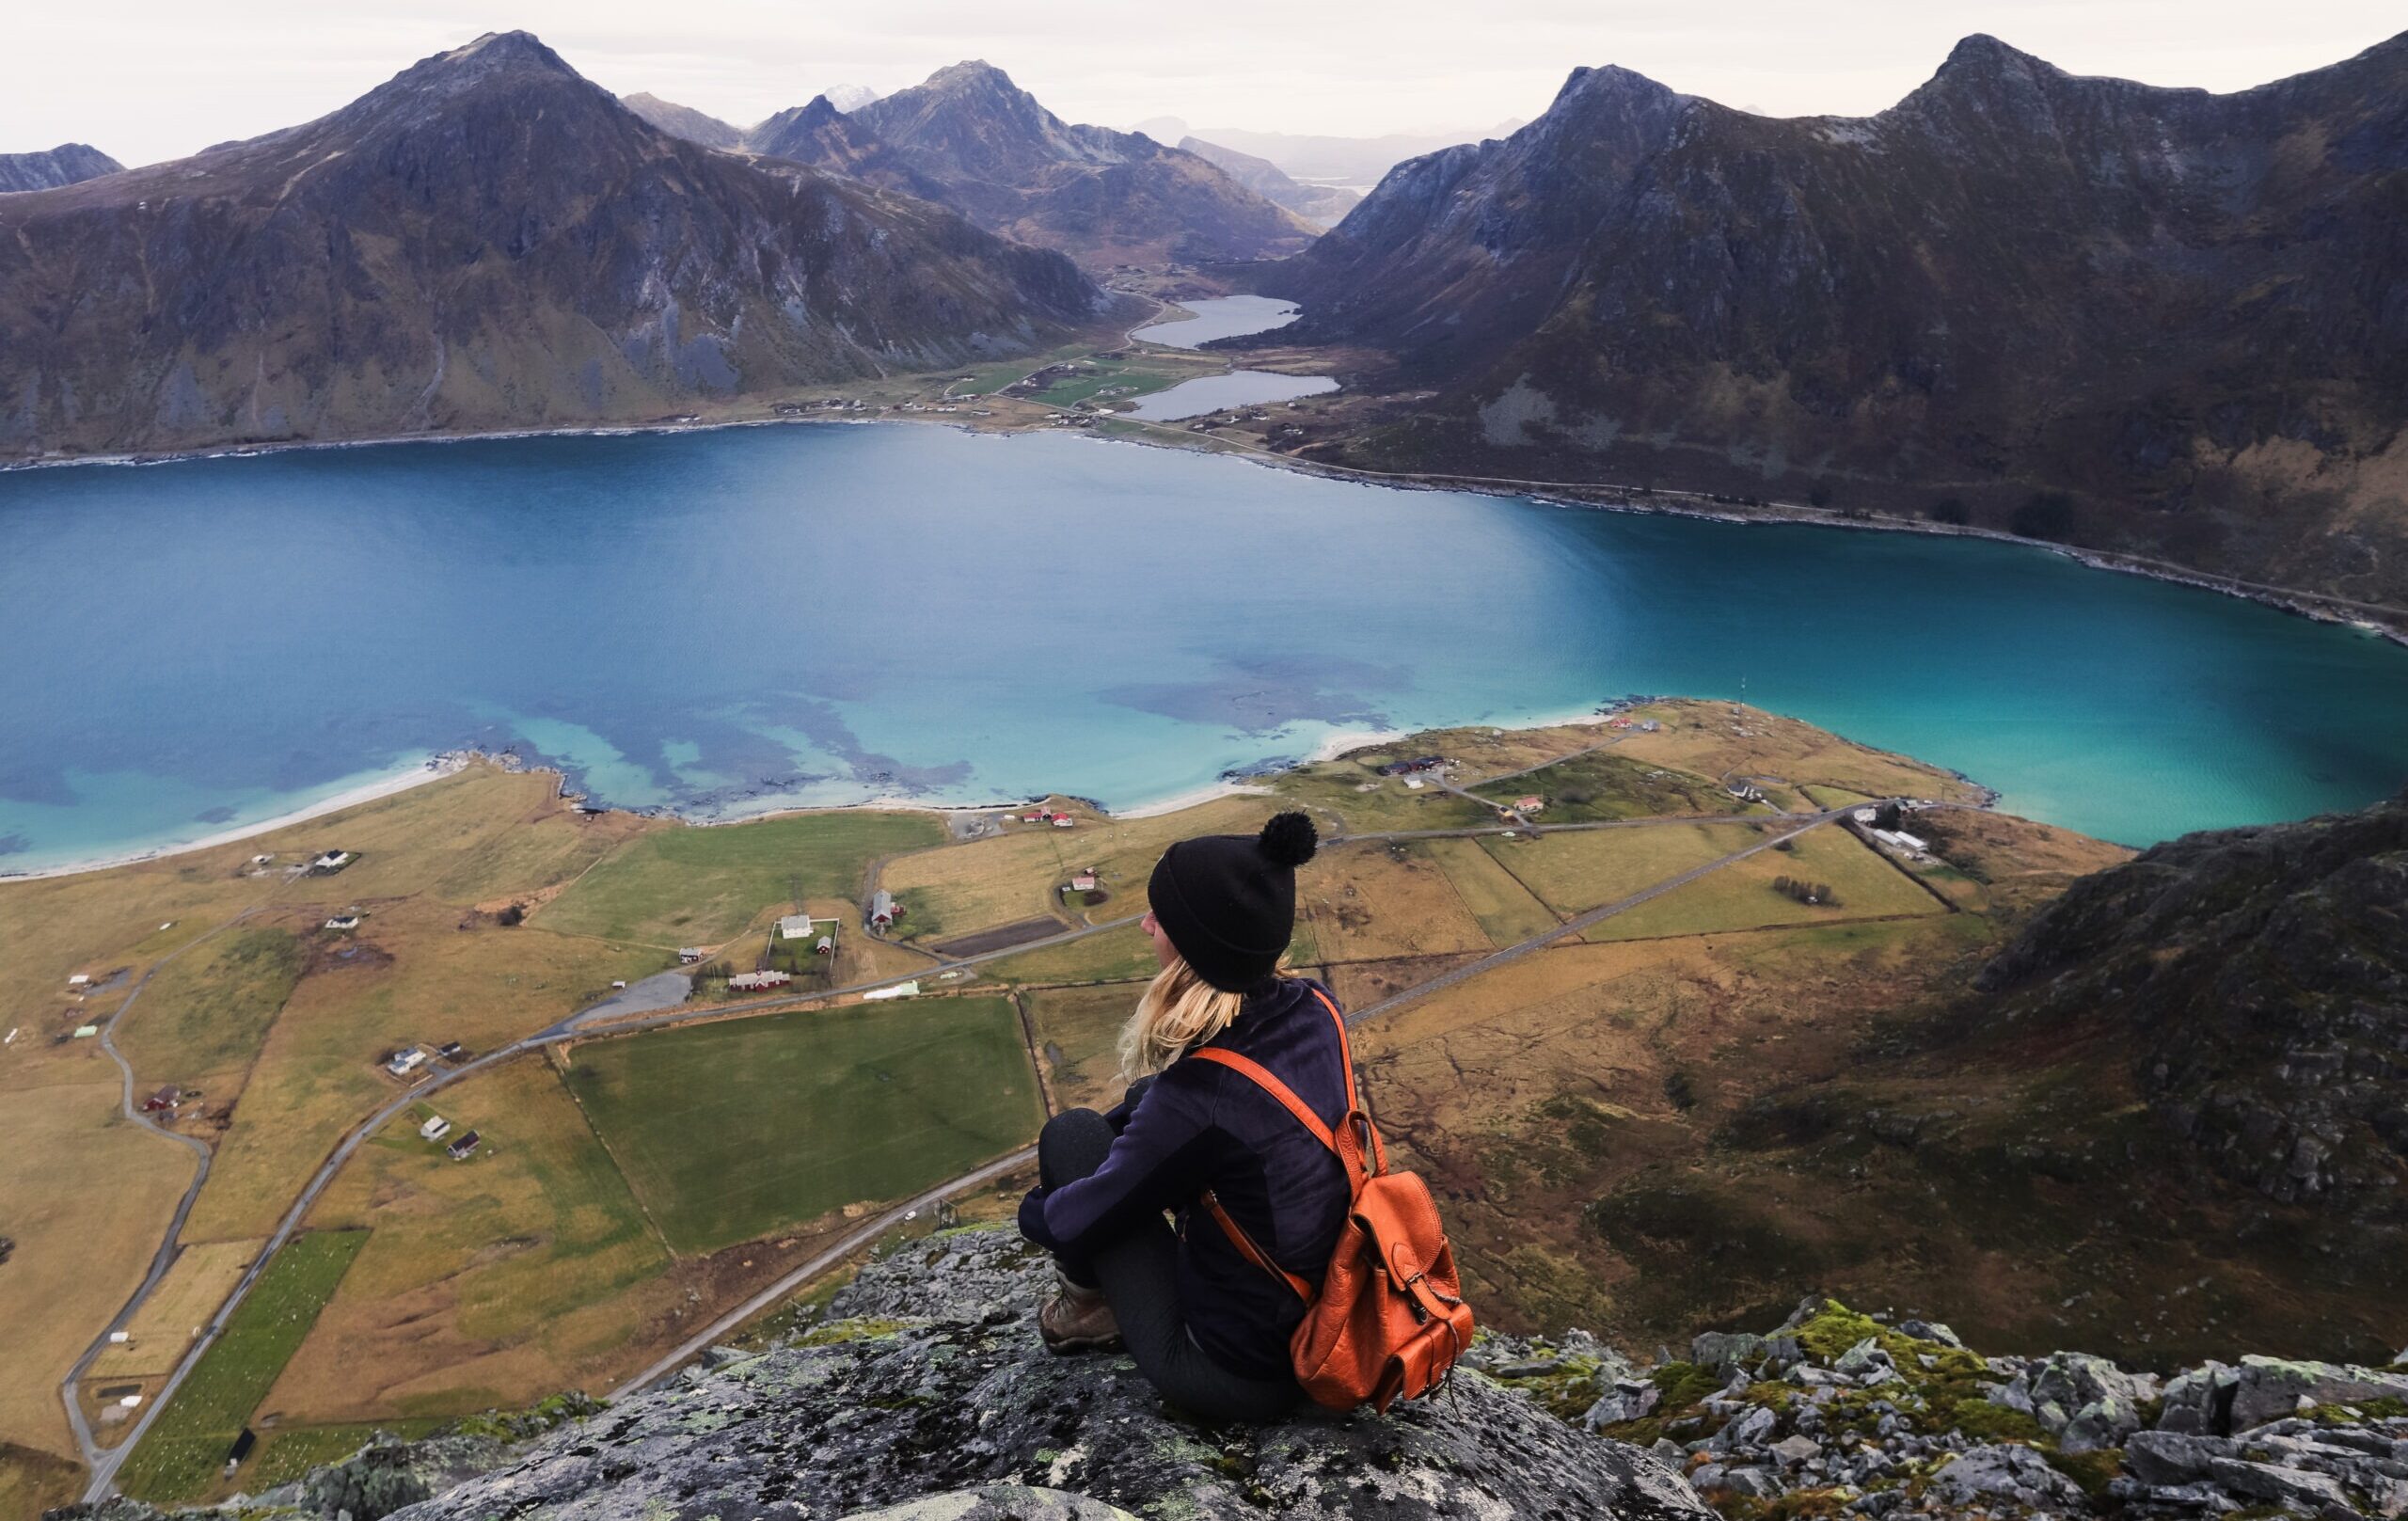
(1179, 1012)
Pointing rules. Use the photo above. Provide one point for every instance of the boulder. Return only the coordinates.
(2088, 1402)
(1728, 1352)
(1930, 1331)
(2293, 1487)
(2171, 1458)
(2270, 1388)
(2006, 1471)
(948, 1393)
(1624, 1399)
(2198, 1401)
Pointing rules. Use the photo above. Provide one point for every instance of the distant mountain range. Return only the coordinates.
(488, 240)
(2144, 319)
(1343, 161)
(1324, 205)
(66, 165)
(970, 138)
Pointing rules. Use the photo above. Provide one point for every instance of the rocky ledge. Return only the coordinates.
(922, 1394)
(927, 1391)
(1836, 1413)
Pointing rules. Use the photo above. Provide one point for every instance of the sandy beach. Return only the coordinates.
(432, 769)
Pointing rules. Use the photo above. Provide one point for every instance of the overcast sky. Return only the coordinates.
(149, 81)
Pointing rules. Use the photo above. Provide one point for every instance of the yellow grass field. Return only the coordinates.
(1014, 876)
(1078, 1030)
(1377, 899)
(1741, 895)
(426, 980)
(1112, 956)
(526, 1271)
(1713, 737)
(86, 1195)
(1574, 872)
(198, 1282)
(32, 1482)
(1507, 911)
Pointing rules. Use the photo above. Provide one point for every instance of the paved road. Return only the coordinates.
(165, 1256)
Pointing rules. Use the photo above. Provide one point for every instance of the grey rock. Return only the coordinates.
(997, 1502)
(1930, 1331)
(943, 1405)
(1726, 1351)
(2171, 1458)
(2087, 1403)
(2006, 1471)
(1797, 1449)
(2280, 1486)
(1747, 1431)
(1760, 1484)
(1860, 1359)
(1531, 1366)
(1623, 1401)
(2198, 1401)
(2269, 1388)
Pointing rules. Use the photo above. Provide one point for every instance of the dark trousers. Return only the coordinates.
(1139, 1276)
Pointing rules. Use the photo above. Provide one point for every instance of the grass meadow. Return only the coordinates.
(733, 1131)
(690, 886)
(182, 1454)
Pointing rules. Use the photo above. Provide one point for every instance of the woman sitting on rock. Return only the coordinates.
(1207, 1325)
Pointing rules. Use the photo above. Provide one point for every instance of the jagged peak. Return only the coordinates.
(1606, 79)
(1982, 52)
(970, 71)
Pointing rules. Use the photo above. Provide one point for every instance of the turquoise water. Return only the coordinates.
(1239, 387)
(719, 621)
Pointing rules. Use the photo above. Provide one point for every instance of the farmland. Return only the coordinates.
(630, 1187)
(179, 1457)
(683, 886)
(729, 1131)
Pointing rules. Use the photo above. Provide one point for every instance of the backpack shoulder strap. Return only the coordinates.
(1260, 1076)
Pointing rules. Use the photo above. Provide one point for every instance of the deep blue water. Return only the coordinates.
(823, 613)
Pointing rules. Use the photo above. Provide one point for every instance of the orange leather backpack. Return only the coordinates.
(1389, 1320)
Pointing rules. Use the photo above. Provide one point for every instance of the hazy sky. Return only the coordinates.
(148, 81)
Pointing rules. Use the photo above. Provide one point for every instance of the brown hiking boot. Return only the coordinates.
(1077, 1320)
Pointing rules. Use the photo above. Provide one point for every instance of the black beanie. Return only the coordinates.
(1228, 901)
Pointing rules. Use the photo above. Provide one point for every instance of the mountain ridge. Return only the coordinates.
(487, 240)
(66, 165)
(2166, 304)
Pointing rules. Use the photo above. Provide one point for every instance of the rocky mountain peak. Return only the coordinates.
(66, 165)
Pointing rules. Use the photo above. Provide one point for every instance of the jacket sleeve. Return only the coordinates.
(1159, 1161)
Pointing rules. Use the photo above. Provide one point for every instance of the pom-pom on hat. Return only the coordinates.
(1228, 901)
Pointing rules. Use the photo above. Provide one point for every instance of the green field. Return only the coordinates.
(286, 1456)
(1108, 955)
(211, 1010)
(1742, 896)
(1507, 911)
(1603, 785)
(1077, 1030)
(736, 1130)
(180, 1456)
(699, 887)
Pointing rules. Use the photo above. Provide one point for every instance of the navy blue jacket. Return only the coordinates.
(1200, 1126)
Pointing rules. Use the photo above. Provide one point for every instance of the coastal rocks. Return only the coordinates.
(944, 1391)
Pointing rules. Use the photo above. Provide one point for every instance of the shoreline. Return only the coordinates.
(433, 768)
(2386, 622)
(436, 768)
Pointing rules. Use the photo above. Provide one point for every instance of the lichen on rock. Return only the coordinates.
(943, 1392)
